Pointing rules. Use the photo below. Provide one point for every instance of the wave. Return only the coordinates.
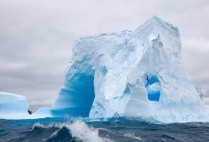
(149, 120)
(119, 130)
(71, 132)
(132, 136)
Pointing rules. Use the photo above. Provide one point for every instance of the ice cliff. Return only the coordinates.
(131, 74)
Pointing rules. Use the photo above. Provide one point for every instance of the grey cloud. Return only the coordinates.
(36, 38)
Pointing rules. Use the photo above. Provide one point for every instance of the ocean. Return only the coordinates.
(115, 130)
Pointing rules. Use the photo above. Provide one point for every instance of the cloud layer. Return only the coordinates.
(36, 38)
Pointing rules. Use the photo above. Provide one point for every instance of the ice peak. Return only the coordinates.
(157, 22)
(155, 19)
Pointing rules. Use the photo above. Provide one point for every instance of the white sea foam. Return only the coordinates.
(78, 129)
(132, 136)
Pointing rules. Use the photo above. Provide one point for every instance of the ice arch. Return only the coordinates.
(153, 88)
(77, 96)
(120, 60)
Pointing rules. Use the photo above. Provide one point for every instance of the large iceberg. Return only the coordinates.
(134, 74)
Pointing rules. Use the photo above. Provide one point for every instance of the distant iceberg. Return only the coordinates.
(14, 106)
(133, 74)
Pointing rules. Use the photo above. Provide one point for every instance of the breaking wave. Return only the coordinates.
(75, 131)
(82, 130)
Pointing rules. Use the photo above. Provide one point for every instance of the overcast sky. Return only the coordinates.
(36, 38)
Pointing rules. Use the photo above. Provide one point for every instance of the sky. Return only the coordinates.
(37, 36)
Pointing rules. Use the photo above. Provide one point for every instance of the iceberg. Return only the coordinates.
(13, 106)
(133, 74)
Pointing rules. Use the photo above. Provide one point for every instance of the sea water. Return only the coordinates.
(114, 130)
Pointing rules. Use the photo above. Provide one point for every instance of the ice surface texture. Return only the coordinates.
(131, 74)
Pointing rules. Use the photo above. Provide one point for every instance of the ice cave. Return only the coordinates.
(80, 91)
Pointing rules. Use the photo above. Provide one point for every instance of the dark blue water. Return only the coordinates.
(65, 130)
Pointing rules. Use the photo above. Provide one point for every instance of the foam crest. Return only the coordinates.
(133, 136)
(79, 129)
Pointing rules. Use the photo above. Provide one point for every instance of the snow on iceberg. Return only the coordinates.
(131, 74)
(13, 106)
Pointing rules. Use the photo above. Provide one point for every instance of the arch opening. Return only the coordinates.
(77, 96)
(153, 88)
